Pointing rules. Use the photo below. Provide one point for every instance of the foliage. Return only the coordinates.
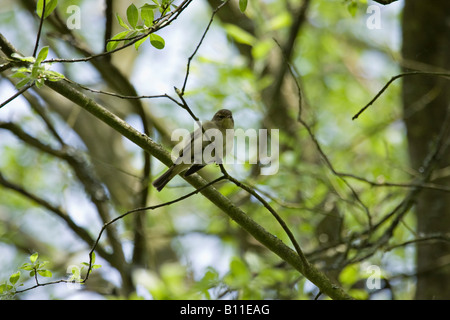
(133, 30)
(36, 72)
(338, 185)
(35, 268)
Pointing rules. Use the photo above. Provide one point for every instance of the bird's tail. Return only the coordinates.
(164, 179)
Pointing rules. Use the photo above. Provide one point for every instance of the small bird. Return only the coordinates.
(220, 123)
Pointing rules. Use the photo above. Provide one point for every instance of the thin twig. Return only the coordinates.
(162, 23)
(81, 232)
(43, 285)
(18, 93)
(125, 97)
(41, 22)
(319, 148)
(199, 44)
(271, 210)
(430, 186)
(140, 210)
(432, 237)
(412, 73)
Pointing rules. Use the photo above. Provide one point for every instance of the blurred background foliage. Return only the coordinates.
(192, 249)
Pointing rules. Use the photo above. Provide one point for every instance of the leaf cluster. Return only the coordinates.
(142, 30)
(50, 6)
(35, 71)
(35, 267)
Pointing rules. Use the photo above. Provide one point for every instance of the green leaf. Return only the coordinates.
(76, 274)
(280, 21)
(261, 49)
(243, 5)
(19, 57)
(239, 35)
(113, 44)
(45, 273)
(132, 15)
(50, 5)
(121, 22)
(23, 82)
(352, 7)
(35, 71)
(18, 75)
(239, 274)
(34, 257)
(5, 287)
(40, 265)
(26, 266)
(130, 36)
(157, 41)
(147, 14)
(349, 275)
(54, 76)
(14, 277)
(139, 42)
(42, 55)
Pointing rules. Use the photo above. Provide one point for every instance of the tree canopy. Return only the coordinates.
(91, 92)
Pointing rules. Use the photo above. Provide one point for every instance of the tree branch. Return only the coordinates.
(258, 232)
(79, 231)
(160, 24)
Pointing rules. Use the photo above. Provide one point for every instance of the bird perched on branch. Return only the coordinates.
(205, 145)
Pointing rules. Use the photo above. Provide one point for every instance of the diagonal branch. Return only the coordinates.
(18, 93)
(140, 210)
(258, 232)
(81, 232)
(271, 210)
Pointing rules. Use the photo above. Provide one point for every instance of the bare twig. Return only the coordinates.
(412, 184)
(319, 148)
(108, 22)
(140, 210)
(125, 97)
(81, 232)
(41, 22)
(432, 237)
(43, 285)
(199, 44)
(412, 73)
(18, 93)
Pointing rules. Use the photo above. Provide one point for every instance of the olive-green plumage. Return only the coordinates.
(222, 120)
